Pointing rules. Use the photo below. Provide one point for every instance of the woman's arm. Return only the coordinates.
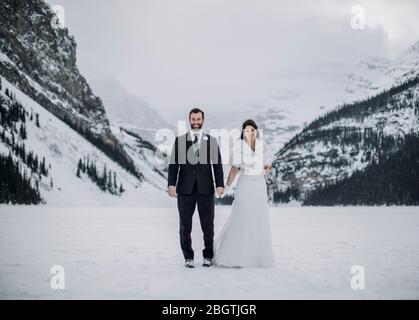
(232, 175)
(268, 157)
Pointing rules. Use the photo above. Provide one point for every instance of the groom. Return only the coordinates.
(195, 155)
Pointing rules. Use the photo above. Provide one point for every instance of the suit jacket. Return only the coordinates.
(185, 168)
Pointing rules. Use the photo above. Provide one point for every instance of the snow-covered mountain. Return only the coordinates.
(376, 74)
(362, 81)
(379, 107)
(347, 139)
(91, 160)
(146, 156)
(126, 110)
(298, 97)
(391, 179)
(41, 61)
(39, 58)
(49, 138)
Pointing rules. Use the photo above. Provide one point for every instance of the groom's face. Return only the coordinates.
(196, 121)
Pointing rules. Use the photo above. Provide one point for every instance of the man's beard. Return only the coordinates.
(196, 126)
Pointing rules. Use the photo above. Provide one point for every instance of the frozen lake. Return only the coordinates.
(134, 253)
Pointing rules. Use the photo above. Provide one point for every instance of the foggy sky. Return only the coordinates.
(221, 54)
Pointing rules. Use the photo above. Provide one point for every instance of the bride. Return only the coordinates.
(245, 239)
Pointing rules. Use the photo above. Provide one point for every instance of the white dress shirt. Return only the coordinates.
(199, 133)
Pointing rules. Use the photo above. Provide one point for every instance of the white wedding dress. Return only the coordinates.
(245, 239)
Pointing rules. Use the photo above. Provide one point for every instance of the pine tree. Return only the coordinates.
(15, 187)
(79, 168)
(22, 132)
(44, 170)
(104, 178)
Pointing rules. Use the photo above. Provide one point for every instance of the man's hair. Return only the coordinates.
(197, 110)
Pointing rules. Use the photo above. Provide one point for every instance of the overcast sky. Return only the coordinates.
(221, 53)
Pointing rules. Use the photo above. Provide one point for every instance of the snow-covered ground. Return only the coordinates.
(133, 253)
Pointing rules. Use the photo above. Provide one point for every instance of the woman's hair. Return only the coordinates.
(252, 123)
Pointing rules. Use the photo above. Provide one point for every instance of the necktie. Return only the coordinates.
(196, 146)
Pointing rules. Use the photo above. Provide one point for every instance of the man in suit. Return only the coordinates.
(194, 165)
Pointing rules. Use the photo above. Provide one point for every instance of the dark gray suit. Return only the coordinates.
(194, 178)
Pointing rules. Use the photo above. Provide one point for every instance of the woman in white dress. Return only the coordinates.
(245, 239)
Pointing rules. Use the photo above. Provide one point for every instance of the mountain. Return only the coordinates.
(375, 74)
(363, 80)
(126, 110)
(39, 58)
(135, 124)
(146, 155)
(345, 140)
(296, 98)
(377, 108)
(391, 180)
(57, 142)
(62, 167)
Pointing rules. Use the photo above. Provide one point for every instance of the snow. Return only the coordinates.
(133, 253)
(146, 160)
(62, 148)
(5, 58)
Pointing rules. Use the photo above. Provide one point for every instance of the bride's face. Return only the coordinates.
(249, 133)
